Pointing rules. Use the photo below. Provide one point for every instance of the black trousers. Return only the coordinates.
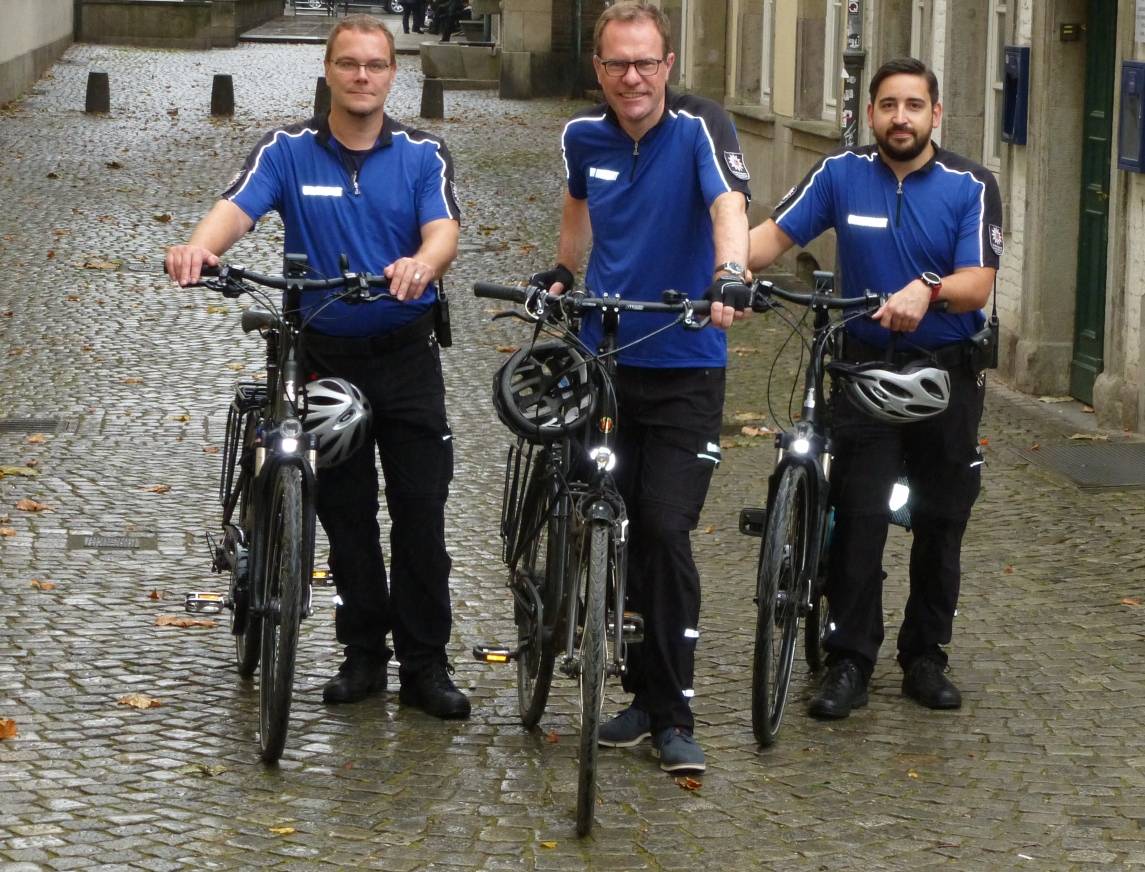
(413, 10)
(941, 459)
(412, 437)
(667, 448)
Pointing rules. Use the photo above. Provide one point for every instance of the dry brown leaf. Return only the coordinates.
(36, 439)
(552, 737)
(163, 218)
(158, 488)
(27, 505)
(154, 595)
(727, 443)
(7, 729)
(688, 782)
(910, 773)
(506, 349)
(132, 380)
(549, 845)
(7, 531)
(217, 310)
(210, 449)
(753, 432)
(282, 831)
(984, 441)
(1008, 569)
(183, 623)
(40, 584)
(139, 701)
(25, 471)
(1131, 601)
(711, 528)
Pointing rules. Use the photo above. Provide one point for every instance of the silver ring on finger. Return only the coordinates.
(417, 277)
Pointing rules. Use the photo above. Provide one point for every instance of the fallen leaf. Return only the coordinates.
(7, 729)
(217, 310)
(1131, 601)
(154, 595)
(132, 380)
(552, 737)
(236, 367)
(984, 441)
(1036, 447)
(753, 432)
(1087, 409)
(7, 531)
(210, 449)
(209, 770)
(113, 165)
(282, 831)
(102, 264)
(183, 623)
(727, 443)
(910, 773)
(38, 584)
(158, 488)
(25, 471)
(1055, 399)
(506, 349)
(164, 218)
(36, 439)
(27, 505)
(1089, 437)
(548, 844)
(31, 464)
(139, 701)
(182, 419)
(711, 528)
(688, 782)
(1008, 569)
(53, 175)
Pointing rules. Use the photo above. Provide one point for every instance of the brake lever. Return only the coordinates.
(513, 313)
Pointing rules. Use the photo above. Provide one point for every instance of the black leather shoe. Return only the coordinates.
(357, 678)
(925, 681)
(843, 688)
(432, 691)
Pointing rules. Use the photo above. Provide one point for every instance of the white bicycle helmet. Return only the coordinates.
(338, 414)
(897, 395)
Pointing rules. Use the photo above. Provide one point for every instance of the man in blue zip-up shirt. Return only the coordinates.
(359, 184)
(658, 186)
(924, 225)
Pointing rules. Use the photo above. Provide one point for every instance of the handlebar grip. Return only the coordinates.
(208, 271)
(499, 292)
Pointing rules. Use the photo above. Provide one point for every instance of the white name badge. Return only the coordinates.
(320, 191)
(868, 221)
(604, 175)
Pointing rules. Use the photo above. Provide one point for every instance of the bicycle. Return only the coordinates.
(797, 522)
(563, 522)
(267, 489)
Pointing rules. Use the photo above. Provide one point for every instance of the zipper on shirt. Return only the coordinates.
(635, 155)
(358, 191)
(898, 204)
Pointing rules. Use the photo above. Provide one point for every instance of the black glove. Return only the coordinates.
(730, 292)
(548, 278)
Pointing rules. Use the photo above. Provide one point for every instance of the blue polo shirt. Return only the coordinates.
(648, 204)
(944, 216)
(369, 207)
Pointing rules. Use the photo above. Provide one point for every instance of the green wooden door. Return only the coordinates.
(1093, 235)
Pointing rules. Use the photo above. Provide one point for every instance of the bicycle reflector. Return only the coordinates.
(544, 391)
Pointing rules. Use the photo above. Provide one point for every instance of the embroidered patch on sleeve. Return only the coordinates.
(996, 239)
(735, 163)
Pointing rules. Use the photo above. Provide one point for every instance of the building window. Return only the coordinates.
(992, 123)
(754, 52)
(920, 30)
(833, 58)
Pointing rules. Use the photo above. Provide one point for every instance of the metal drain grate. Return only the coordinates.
(37, 425)
(1106, 465)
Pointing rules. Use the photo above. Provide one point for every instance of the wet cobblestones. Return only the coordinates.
(1043, 768)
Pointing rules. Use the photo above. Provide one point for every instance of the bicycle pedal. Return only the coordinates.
(752, 521)
(494, 654)
(204, 603)
(632, 627)
(322, 578)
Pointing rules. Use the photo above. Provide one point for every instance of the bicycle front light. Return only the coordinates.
(604, 459)
(801, 446)
(900, 493)
(289, 433)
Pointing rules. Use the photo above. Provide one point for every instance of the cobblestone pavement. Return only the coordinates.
(1043, 768)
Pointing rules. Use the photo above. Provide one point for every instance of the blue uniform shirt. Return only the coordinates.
(944, 216)
(648, 204)
(329, 207)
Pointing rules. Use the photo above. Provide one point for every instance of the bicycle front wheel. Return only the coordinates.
(536, 571)
(592, 655)
(782, 564)
(281, 606)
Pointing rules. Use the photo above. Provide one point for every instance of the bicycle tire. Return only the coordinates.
(246, 573)
(536, 563)
(782, 562)
(281, 609)
(593, 649)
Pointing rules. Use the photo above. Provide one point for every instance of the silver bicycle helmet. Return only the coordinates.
(338, 414)
(544, 391)
(897, 395)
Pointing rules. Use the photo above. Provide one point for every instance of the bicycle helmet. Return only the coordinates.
(338, 414)
(544, 391)
(897, 395)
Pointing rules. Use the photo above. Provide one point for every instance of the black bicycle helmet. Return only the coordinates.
(897, 395)
(544, 391)
(339, 415)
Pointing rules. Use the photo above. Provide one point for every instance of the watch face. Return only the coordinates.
(931, 279)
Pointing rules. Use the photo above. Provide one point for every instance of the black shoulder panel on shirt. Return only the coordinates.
(267, 138)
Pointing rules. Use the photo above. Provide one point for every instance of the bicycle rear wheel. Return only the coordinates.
(537, 569)
(595, 564)
(281, 605)
(782, 563)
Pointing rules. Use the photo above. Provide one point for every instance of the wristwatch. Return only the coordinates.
(732, 268)
(934, 282)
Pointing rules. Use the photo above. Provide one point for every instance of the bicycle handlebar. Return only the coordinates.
(763, 290)
(578, 302)
(357, 284)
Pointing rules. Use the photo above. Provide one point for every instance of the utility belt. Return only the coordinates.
(977, 353)
(418, 329)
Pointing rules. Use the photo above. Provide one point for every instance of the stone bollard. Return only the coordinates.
(98, 94)
(321, 98)
(432, 98)
(222, 95)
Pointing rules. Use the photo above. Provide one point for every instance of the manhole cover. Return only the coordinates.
(142, 541)
(36, 425)
(1109, 465)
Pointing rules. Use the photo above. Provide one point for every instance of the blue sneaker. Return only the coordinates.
(678, 751)
(627, 730)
